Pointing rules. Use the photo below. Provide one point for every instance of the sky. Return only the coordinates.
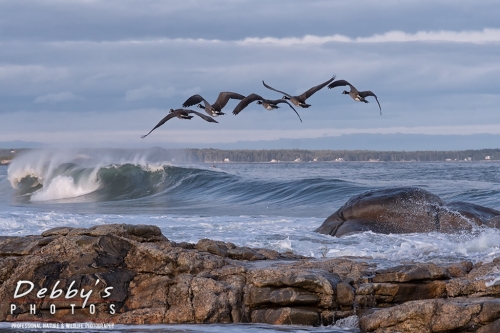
(102, 73)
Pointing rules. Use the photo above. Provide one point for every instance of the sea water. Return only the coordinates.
(271, 205)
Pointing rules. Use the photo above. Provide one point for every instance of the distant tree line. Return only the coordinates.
(289, 155)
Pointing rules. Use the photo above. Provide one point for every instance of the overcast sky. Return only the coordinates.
(88, 72)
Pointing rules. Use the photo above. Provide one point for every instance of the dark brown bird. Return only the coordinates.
(212, 109)
(301, 99)
(266, 103)
(358, 96)
(181, 114)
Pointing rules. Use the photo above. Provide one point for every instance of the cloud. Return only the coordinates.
(476, 37)
(487, 35)
(56, 98)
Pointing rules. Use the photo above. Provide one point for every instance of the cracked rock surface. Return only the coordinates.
(134, 275)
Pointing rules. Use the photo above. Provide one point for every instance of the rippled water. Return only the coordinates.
(272, 205)
(344, 326)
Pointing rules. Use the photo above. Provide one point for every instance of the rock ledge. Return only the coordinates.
(132, 274)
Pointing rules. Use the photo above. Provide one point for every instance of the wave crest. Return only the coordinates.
(54, 175)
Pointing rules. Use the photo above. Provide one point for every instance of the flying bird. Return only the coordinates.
(212, 109)
(181, 114)
(301, 99)
(266, 103)
(358, 96)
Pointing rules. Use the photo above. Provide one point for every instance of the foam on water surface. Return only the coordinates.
(275, 206)
(283, 235)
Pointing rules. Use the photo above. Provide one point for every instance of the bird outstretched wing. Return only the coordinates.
(224, 97)
(245, 102)
(370, 93)
(195, 99)
(277, 101)
(269, 87)
(167, 117)
(339, 83)
(314, 89)
(203, 116)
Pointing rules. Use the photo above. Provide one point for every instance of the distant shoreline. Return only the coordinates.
(210, 155)
(288, 162)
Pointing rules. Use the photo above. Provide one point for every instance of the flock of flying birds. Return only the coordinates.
(215, 109)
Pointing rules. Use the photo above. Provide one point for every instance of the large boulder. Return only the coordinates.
(406, 210)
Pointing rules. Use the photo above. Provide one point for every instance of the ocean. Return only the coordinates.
(271, 205)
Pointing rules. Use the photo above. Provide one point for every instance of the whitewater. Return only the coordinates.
(271, 205)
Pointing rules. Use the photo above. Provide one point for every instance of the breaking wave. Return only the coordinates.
(44, 176)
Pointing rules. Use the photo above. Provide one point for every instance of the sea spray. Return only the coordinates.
(276, 206)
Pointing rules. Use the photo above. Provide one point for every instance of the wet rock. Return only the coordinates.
(139, 233)
(478, 215)
(459, 269)
(345, 294)
(286, 316)
(59, 231)
(494, 327)
(282, 296)
(406, 273)
(226, 249)
(19, 246)
(7, 266)
(323, 282)
(405, 210)
(437, 315)
(134, 275)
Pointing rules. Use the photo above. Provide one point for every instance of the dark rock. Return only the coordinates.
(406, 273)
(17, 246)
(283, 296)
(405, 210)
(7, 266)
(494, 327)
(490, 311)
(139, 233)
(437, 315)
(226, 249)
(59, 231)
(479, 215)
(345, 294)
(286, 316)
(460, 269)
(111, 251)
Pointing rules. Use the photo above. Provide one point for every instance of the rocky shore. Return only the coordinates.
(133, 274)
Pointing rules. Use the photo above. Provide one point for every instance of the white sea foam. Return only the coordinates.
(21, 223)
(10, 225)
(283, 234)
(63, 187)
(493, 282)
(66, 174)
(284, 244)
(297, 235)
(56, 184)
(348, 322)
(487, 240)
